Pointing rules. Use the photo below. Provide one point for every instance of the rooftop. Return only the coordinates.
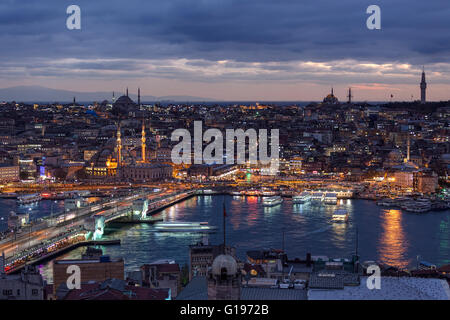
(392, 288)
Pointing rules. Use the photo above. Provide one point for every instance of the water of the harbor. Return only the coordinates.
(388, 236)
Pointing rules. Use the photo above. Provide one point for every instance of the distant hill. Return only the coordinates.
(43, 94)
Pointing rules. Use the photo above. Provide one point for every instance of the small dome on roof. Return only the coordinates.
(224, 262)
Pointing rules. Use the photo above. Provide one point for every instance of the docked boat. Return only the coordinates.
(181, 226)
(303, 197)
(317, 197)
(330, 198)
(268, 193)
(386, 202)
(272, 201)
(340, 215)
(29, 198)
(8, 195)
(416, 206)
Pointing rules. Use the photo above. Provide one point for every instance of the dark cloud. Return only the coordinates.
(206, 31)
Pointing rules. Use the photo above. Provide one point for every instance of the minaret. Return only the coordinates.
(127, 91)
(139, 97)
(350, 95)
(119, 146)
(113, 98)
(423, 88)
(332, 91)
(143, 140)
(74, 102)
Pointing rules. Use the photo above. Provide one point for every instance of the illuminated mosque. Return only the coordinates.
(127, 158)
(330, 98)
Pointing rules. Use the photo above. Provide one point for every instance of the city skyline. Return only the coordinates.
(238, 51)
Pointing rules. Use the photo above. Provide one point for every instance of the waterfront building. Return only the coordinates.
(427, 182)
(9, 173)
(146, 172)
(99, 269)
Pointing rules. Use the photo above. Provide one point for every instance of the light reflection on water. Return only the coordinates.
(389, 236)
(393, 243)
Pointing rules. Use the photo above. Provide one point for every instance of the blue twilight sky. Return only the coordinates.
(229, 49)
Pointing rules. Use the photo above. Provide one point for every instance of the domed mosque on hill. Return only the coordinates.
(123, 105)
(330, 98)
(130, 161)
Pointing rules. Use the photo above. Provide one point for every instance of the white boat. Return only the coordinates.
(29, 198)
(268, 193)
(272, 201)
(340, 215)
(386, 202)
(330, 198)
(417, 206)
(8, 195)
(317, 197)
(303, 197)
(181, 226)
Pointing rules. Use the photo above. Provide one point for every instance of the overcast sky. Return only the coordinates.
(229, 49)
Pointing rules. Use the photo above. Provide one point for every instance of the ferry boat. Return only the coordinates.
(8, 195)
(316, 197)
(268, 193)
(386, 202)
(303, 197)
(29, 198)
(181, 226)
(330, 198)
(416, 206)
(340, 215)
(272, 201)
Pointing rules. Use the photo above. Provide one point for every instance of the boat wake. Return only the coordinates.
(319, 230)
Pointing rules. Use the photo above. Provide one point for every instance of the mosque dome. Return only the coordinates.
(124, 100)
(123, 105)
(331, 98)
(224, 263)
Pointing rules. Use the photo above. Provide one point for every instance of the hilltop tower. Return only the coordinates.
(423, 88)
